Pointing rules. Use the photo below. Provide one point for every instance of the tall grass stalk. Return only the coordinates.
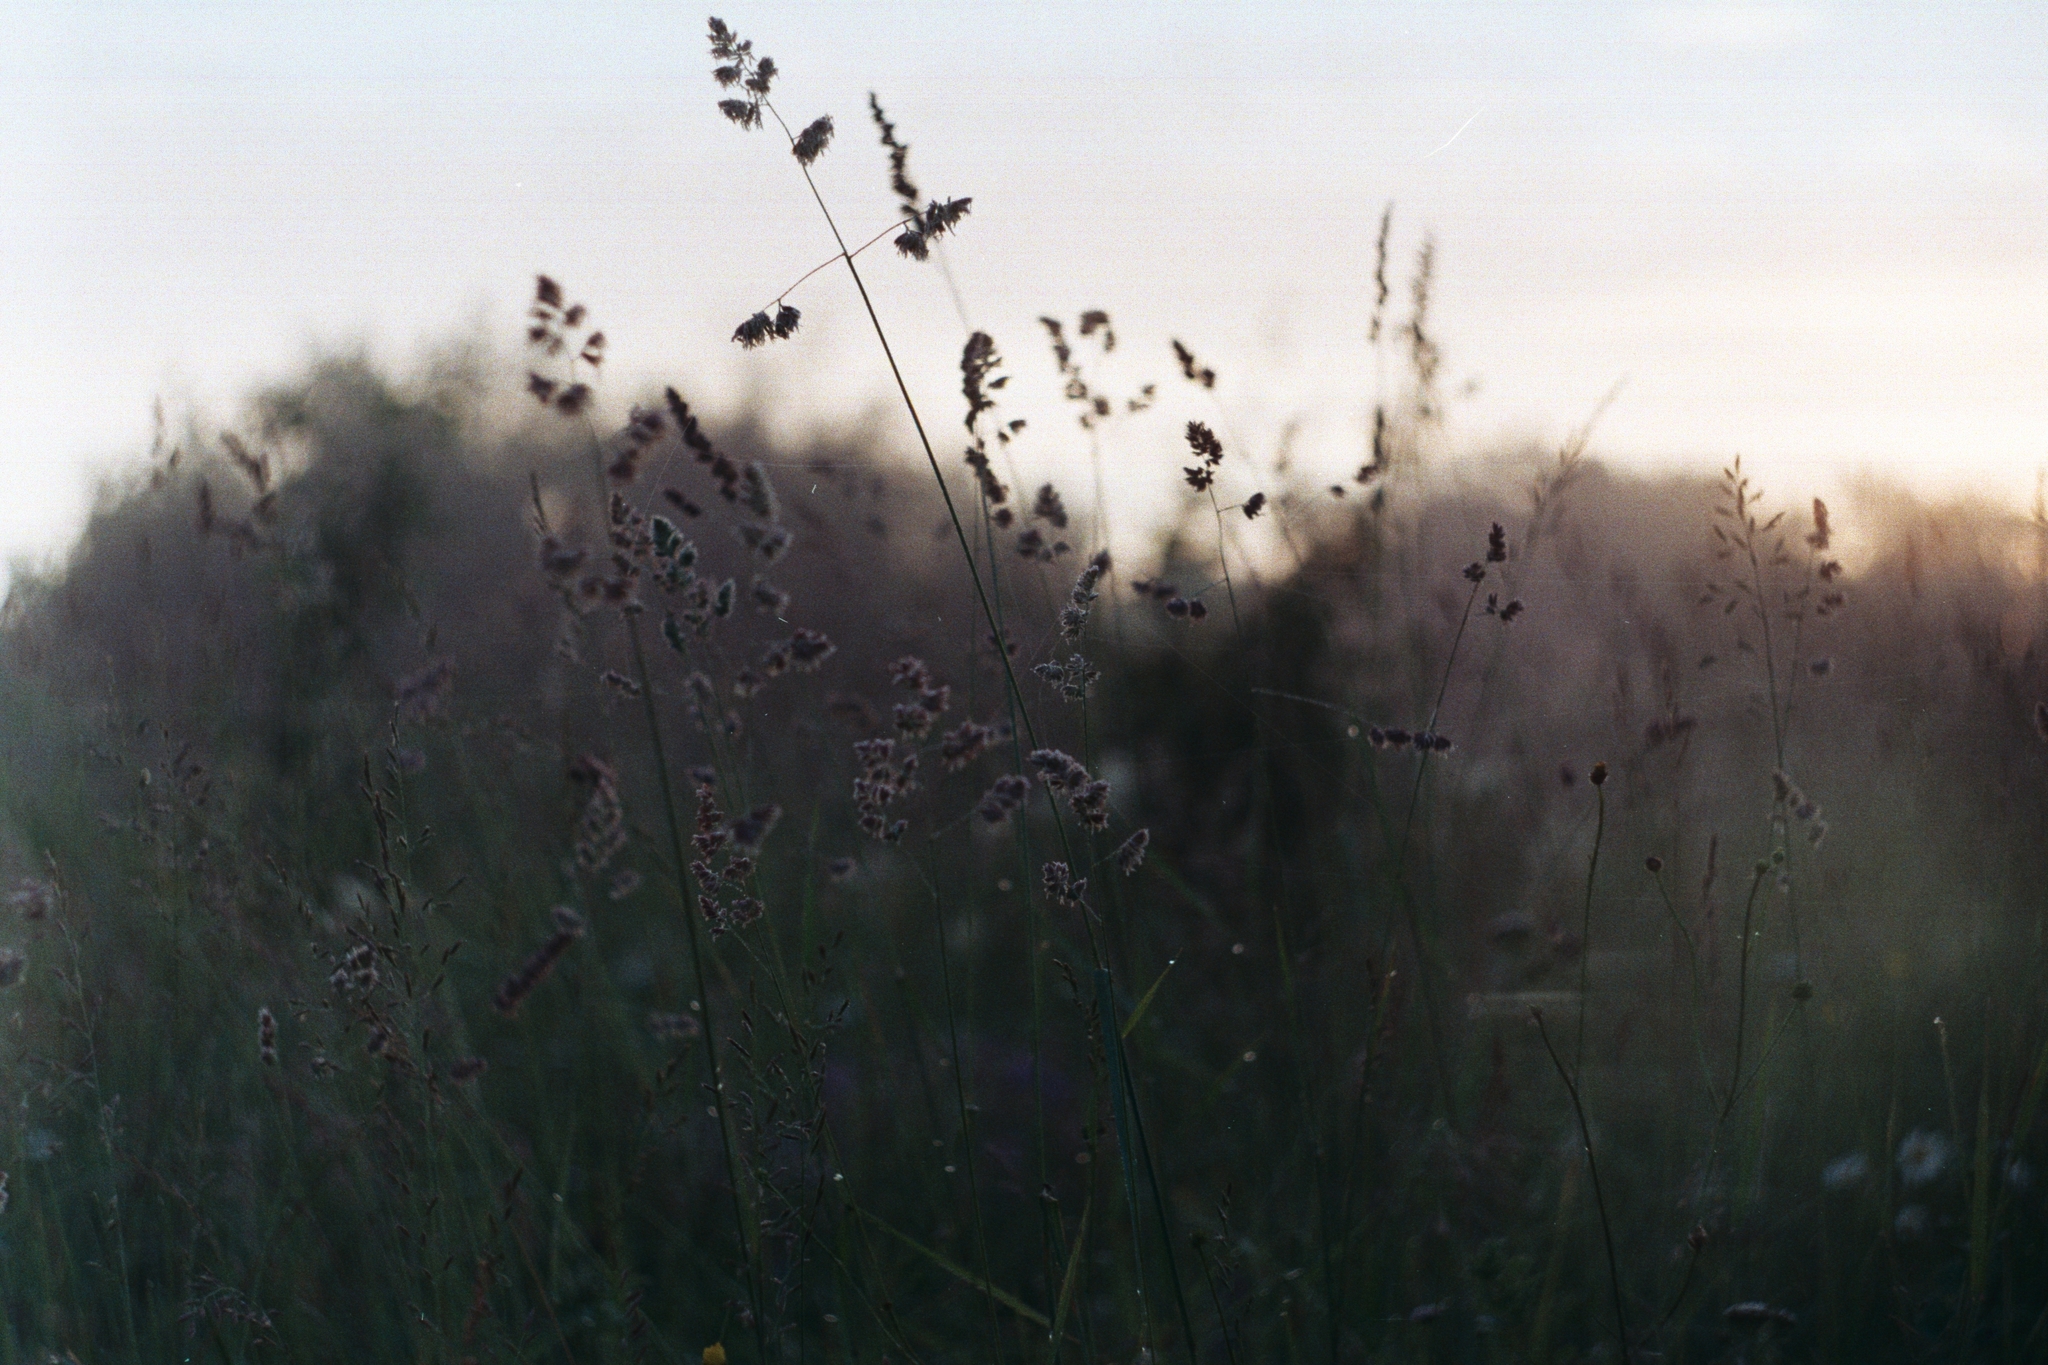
(1586, 920)
(1411, 914)
(749, 1257)
(1160, 1213)
(969, 1140)
(1223, 563)
(917, 423)
(1599, 1197)
(748, 1243)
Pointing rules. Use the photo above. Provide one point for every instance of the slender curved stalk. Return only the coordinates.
(1692, 958)
(1586, 930)
(1742, 991)
(1112, 1048)
(1414, 922)
(1735, 1086)
(697, 952)
(1223, 562)
(749, 1262)
(1599, 1198)
(966, 1126)
(1201, 1245)
(1159, 1213)
(917, 422)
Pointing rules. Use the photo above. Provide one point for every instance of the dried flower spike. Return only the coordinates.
(810, 144)
(1190, 369)
(751, 829)
(743, 69)
(1074, 616)
(1003, 799)
(760, 329)
(1818, 539)
(899, 157)
(1062, 887)
(936, 220)
(514, 990)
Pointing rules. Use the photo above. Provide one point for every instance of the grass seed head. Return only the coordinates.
(899, 157)
(1190, 369)
(751, 829)
(1062, 887)
(810, 144)
(1003, 799)
(514, 990)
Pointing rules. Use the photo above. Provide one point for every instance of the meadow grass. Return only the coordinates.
(618, 887)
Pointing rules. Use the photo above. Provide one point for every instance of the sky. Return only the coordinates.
(1809, 234)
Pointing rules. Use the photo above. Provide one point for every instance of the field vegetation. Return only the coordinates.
(616, 886)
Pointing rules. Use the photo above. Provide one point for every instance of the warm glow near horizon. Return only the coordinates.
(1807, 233)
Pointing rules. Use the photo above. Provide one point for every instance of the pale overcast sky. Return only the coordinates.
(1809, 233)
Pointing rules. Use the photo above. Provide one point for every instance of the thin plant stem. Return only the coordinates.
(1763, 617)
(916, 421)
(1031, 919)
(749, 1262)
(945, 493)
(1948, 1084)
(966, 1126)
(1735, 1087)
(1692, 958)
(1692, 1265)
(1770, 1049)
(1599, 1197)
(1159, 1212)
(827, 263)
(1413, 919)
(1105, 1006)
(1317, 1158)
(1586, 932)
(697, 954)
(1742, 988)
(1201, 1244)
(1223, 562)
(982, 597)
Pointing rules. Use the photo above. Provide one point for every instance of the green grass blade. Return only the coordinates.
(1070, 1279)
(1144, 1003)
(961, 1272)
(1980, 1199)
